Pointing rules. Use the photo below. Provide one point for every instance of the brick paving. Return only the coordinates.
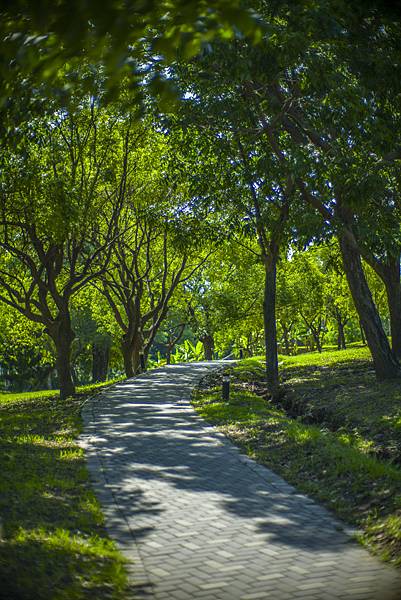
(198, 520)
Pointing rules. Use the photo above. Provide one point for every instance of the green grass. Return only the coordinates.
(337, 389)
(53, 544)
(48, 394)
(335, 435)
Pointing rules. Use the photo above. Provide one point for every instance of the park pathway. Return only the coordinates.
(198, 520)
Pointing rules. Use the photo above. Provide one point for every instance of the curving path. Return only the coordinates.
(197, 520)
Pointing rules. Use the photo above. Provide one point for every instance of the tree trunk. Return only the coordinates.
(385, 363)
(100, 360)
(132, 346)
(340, 335)
(208, 346)
(388, 269)
(393, 291)
(316, 337)
(63, 335)
(270, 327)
(127, 351)
(363, 338)
(138, 348)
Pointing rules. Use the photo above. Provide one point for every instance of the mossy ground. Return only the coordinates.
(335, 434)
(53, 544)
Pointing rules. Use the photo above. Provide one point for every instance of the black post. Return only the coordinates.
(143, 363)
(241, 353)
(226, 388)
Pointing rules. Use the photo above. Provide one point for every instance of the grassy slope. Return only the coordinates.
(53, 544)
(336, 436)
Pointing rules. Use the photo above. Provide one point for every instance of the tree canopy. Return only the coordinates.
(222, 173)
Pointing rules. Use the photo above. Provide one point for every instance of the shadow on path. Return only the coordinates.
(205, 522)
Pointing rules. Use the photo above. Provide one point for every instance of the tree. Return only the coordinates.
(26, 355)
(58, 221)
(254, 189)
(331, 114)
(174, 328)
(311, 99)
(339, 304)
(158, 247)
(308, 284)
(288, 318)
(100, 333)
(201, 311)
(133, 40)
(146, 270)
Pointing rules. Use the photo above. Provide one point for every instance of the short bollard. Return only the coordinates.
(143, 363)
(226, 387)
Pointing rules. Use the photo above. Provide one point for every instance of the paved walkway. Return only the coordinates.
(198, 520)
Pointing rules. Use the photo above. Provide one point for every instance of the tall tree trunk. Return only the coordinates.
(132, 346)
(208, 346)
(63, 335)
(270, 327)
(363, 338)
(127, 351)
(385, 363)
(100, 360)
(393, 291)
(388, 269)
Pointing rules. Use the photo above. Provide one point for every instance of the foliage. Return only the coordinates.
(26, 356)
(44, 47)
(273, 148)
(187, 352)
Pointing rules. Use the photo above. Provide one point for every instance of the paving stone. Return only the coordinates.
(255, 596)
(198, 520)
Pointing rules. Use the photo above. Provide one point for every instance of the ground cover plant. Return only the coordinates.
(53, 544)
(334, 433)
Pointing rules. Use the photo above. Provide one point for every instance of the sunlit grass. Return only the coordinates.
(334, 460)
(54, 545)
(329, 358)
(48, 394)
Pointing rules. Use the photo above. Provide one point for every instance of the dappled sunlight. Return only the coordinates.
(187, 495)
(52, 534)
(85, 561)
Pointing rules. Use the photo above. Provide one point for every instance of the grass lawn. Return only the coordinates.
(335, 434)
(53, 544)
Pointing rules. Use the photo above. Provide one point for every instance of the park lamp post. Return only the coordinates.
(226, 387)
